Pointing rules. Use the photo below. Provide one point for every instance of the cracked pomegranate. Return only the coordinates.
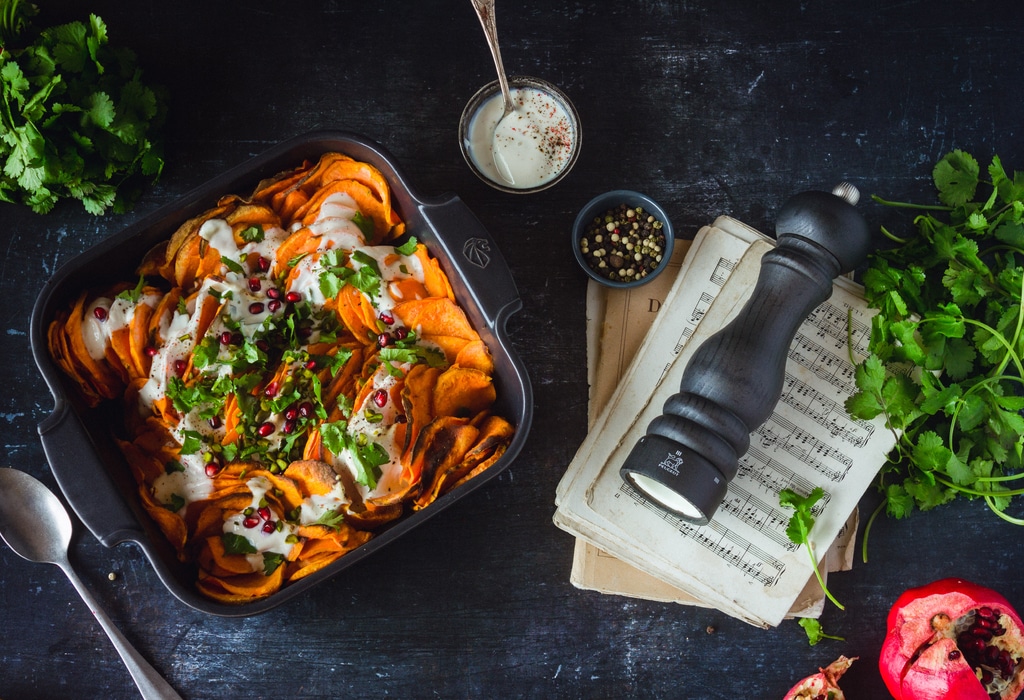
(953, 639)
(823, 685)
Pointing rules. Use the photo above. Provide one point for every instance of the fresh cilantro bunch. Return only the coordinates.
(76, 121)
(946, 347)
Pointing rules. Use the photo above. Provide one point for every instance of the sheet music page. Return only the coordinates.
(742, 562)
(705, 268)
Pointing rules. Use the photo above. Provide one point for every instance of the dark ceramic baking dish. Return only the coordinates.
(78, 441)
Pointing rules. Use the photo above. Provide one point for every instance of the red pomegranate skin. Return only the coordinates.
(823, 685)
(919, 662)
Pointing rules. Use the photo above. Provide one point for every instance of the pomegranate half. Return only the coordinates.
(953, 639)
(823, 685)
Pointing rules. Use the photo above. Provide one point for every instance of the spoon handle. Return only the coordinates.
(485, 13)
(150, 683)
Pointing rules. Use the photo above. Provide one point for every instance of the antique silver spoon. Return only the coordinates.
(34, 523)
(485, 13)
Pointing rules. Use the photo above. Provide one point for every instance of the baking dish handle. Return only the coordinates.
(471, 250)
(84, 479)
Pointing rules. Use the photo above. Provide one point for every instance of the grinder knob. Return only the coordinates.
(734, 379)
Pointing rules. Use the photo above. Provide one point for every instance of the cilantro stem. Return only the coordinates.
(1005, 477)
(910, 205)
(821, 581)
(867, 529)
(1010, 353)
(1008, 518)
(975, 492)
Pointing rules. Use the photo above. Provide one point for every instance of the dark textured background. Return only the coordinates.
(712, 107)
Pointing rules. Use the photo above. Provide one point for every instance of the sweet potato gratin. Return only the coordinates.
(292, 377)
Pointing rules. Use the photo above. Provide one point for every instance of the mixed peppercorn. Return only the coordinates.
(625, 244)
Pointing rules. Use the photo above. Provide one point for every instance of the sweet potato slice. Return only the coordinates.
(312, 477)
(475, 354)
(417, 401)
(240, 589)
(463, 392)
(439, 452)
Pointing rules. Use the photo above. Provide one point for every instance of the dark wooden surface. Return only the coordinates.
(712, 107)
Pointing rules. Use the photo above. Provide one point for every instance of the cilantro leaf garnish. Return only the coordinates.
(367, 457)
(407, 248)
(135, 294)
(237, 544)
(331, 518)
(232, 265)
(271, 560)
(365, 224)
(253, 234)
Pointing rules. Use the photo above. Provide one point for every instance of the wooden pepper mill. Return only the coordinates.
(733, 381)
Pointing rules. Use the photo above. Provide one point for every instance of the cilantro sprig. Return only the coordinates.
(76, 121)
(945, 366)
(799, 528)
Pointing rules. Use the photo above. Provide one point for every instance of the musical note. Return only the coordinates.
(722, 271)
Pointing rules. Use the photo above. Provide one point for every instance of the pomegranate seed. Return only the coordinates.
(212, 469)
(262, 345)
(268, 527)
(289, 427)
(305, 409)
(256, 307)
(274, 293)
(215, 422)
(271, 389)
(986, 612)
(386, 317)
(304, 331)
(251, 522)
(380, 397)
(265, 429)
(254, 284)
(225, 338)
(310, 364)
(263, 512)
(292, 412)
(293, 297)
(262, 264)
(954, 655)
(179, 367)
(236, 339)
(383, 340)
(150, 351)
(401, 332)
(274, 305)
(100, 313)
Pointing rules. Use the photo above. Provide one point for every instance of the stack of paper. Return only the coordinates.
(742, 562)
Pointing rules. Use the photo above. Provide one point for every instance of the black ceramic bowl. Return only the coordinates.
(610, 200)
(79, 443)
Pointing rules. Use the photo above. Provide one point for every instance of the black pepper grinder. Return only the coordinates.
(733, 381)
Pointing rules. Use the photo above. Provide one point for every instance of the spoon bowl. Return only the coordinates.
(485, 13)
(35, 524)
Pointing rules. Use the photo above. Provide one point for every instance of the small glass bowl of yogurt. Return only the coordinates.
(538, 142)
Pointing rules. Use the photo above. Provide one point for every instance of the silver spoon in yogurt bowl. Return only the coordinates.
(35, 524)
(485, 13)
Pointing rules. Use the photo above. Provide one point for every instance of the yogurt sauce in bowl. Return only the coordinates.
(532, 148)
